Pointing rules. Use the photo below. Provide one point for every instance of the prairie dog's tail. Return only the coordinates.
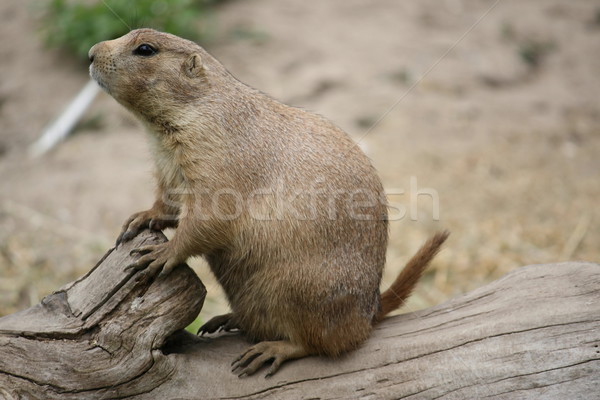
(404, 284)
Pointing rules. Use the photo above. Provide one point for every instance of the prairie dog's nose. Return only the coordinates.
(92, 52)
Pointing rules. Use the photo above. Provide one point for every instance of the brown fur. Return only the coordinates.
(298, 235)
(395, 296)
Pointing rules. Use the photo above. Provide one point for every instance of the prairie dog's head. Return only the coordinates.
(150, 72)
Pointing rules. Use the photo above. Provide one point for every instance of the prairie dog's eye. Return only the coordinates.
(144, 50)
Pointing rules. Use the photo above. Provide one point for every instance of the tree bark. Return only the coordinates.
(534, 334)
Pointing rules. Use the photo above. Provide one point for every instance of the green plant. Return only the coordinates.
(533, 52)
(77, 25)
(194, 326)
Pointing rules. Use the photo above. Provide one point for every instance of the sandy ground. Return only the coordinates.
(488, 125)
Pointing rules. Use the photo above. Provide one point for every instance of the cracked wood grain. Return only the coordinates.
(97, 337)
(534, 334)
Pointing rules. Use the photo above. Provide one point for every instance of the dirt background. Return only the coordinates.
(495, 110)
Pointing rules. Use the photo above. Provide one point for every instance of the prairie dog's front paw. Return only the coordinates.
(151, 218)
(157, 258)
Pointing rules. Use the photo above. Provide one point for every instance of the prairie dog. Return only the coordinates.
(287, 210)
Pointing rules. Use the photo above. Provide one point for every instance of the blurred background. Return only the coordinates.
(493, 106)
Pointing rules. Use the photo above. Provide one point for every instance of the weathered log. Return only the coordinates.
(534, 334)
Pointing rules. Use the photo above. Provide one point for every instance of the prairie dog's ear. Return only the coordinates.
(193, 66)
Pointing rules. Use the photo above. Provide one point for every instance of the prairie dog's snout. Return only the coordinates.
(91, 53)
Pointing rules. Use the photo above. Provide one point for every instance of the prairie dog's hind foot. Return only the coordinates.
(225, 323)
(256, 356)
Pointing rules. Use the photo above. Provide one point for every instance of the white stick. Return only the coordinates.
(63, 125)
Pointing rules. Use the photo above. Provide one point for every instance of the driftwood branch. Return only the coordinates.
(534, 334)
